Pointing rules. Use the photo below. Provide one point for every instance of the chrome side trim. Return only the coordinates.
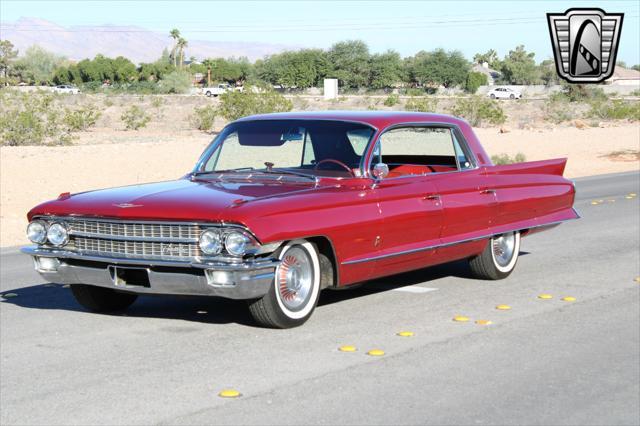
(453, 243)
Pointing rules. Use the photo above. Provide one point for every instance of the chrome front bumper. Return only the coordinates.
(246, 280)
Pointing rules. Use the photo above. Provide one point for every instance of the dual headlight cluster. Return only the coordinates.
(236, 243)
(40, 232)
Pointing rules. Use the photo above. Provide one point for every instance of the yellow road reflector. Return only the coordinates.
(637, 279)
(611, 201)
(460, 318)
(9, 295)
(503, 307)
(632, 194)
(405, 333)
(229, 393)
(347, 348)
(484, 322)
(375, 352)
(545, 296)
(569, 299)
(629, 197)
(594, 203)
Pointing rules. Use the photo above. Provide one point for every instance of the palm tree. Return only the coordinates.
(182, 43)
(175, 35)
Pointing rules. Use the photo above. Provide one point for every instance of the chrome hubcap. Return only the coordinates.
(295, 278)
(503, 247)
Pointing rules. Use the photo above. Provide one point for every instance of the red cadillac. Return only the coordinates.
(282, 206)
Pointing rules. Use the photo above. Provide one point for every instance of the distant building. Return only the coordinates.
(624, 77)
(492, 75)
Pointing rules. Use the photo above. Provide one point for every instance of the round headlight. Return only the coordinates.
(210, 242)
(236, 243)
(57, 234)
(37, 232)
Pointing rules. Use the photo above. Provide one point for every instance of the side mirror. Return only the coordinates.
(380, 171)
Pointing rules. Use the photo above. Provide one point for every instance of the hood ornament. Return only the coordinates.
(126, 205)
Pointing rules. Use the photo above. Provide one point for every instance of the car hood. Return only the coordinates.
(182, 199)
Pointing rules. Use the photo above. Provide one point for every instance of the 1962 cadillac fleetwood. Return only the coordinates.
(282, 206)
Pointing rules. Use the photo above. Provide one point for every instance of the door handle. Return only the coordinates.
(433, 197)
(488, 191)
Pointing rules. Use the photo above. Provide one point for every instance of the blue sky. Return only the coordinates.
(406, 26)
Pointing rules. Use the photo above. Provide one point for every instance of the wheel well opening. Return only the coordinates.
(326, 248)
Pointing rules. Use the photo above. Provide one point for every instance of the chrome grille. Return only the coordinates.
(137, 249)
(135, 230)
(134, 239)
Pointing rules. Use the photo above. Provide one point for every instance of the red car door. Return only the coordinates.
(411, 224)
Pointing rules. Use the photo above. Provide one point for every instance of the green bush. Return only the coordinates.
(502, 159)
(81, 119)
(474, 81)
(392, 100)
(557, 109)
(615, 110)
(176, 82)
(234, 105)
(421, 104)
(478, 110)
(203, 118)
(579, 93)
(31, 119)
(134, 118)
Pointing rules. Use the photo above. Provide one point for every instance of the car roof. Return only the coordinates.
(378, 119)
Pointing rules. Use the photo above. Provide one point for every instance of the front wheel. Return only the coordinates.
(99, 299)
(499, 257)
(295, 291)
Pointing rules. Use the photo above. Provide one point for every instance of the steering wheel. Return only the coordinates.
(338, 162)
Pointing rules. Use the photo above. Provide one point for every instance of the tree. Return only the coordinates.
(350, 60)
(175, 35)
(474, 81)
(294, 69)
(37, 65)
(176, 82)
(636, 67)
(548, 73)
(385, 69)
(182, 43)
(519, 67)
(7, 56)
(448, 69)
(490, 57)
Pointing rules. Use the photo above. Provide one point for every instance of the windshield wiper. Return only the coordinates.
(211, 172)
(276, 171)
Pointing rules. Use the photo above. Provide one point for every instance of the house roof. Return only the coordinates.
(621, 73)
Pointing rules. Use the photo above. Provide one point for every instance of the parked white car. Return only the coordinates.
(66, 88)
(217, 90)
(504, 93)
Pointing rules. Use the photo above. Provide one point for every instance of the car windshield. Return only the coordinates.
(296, 147)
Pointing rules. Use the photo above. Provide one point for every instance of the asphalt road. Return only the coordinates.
(542, 362)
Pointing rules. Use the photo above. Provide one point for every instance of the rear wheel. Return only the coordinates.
(499, 257)
(208, 94)
(493, 96)
(99, 299)
(295, 291)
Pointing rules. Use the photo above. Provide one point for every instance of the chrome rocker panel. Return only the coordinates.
(244, 280)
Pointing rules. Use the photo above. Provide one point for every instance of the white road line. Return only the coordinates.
(415, 289)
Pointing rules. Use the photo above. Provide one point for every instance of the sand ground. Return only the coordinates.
(106, 157)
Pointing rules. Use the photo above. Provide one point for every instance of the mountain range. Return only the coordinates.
(136, 43)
